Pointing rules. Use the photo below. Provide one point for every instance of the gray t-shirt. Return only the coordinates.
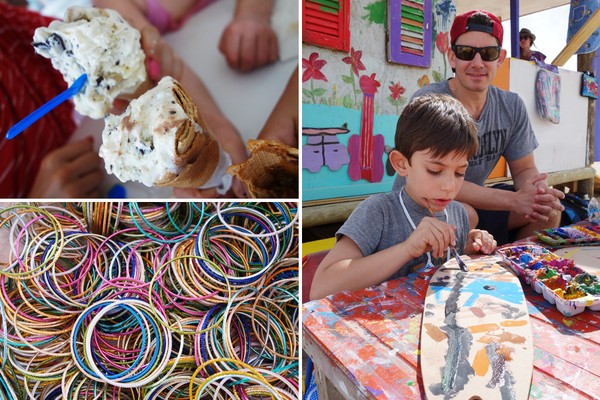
(379, 222)
(503, 129)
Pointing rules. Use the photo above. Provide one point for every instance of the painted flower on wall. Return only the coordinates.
(442, 44)
(354, 61)
(312, 71)
(395, 98)
(424, 80)
(356, 65)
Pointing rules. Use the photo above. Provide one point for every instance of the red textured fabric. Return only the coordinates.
(27, 80)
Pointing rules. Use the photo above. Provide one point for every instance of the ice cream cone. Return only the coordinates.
(271, 171)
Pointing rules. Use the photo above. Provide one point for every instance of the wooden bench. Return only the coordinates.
(315, 213)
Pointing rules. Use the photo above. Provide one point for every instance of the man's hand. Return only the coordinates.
(74, 170)
(547, 201)
(536, 201)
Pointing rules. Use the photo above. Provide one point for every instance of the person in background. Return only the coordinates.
(526, 41)
(248, 42)
(504, 130)
(390, 235)
(282, 124)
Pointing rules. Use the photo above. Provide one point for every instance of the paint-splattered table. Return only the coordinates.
(366, 344)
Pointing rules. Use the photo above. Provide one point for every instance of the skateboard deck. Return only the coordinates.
(476, 335)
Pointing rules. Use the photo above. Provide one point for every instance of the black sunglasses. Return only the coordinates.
(467, 53)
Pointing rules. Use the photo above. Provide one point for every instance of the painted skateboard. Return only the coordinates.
(476, 335)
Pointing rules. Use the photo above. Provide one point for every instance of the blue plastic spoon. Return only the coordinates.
(46, 108)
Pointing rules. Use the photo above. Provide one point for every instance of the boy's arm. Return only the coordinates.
(345, 267)
(249, 42)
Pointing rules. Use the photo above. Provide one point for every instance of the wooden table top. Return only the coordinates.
(367, 343)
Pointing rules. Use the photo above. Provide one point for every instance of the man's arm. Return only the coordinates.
(534, 187)
(485, 198)
(532, 196)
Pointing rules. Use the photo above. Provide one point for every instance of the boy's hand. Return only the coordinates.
(480, 241)
(249, 42)
(74, 170)
(431, 235)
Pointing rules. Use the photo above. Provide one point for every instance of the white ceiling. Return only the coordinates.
(501, 8)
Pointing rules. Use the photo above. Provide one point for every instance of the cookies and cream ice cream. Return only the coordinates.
(160, 140)
(100, 43)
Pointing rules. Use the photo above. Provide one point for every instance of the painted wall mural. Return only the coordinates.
(351, 102)
(323, 148)
(366, 149)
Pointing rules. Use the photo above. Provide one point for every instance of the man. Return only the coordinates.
(504, 130)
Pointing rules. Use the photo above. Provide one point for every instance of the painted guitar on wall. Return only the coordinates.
(366, 150)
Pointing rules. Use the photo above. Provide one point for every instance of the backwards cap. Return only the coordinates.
(462, 24)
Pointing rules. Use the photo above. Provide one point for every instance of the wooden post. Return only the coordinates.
(585, 63)
(515, 39)
(325, 389)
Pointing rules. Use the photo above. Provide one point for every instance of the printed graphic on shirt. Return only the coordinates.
(491, 145)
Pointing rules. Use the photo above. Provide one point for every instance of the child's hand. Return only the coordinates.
(249, 42)
(161, 59)
(431, 235)
(74, 170)
(479, 241)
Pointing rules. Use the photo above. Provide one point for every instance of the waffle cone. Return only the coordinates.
(271, 171)
(196, 154)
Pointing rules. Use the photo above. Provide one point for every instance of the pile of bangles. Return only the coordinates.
(181, 300)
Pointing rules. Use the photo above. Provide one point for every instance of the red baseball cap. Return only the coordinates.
(462, 24)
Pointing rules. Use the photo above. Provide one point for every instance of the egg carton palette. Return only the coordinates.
(557, 279)
(570, 235)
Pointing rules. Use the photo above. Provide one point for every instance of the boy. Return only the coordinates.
(392, 234)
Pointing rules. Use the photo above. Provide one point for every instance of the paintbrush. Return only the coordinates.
(461, 263)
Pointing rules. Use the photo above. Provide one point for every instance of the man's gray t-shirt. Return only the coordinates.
(503, 129)
(379, 222)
